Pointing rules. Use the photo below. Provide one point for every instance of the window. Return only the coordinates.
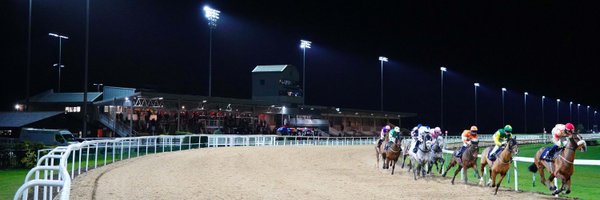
(59, 138)
(262, 82)
(73, 109)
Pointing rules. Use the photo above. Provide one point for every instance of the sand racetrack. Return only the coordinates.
(309, 172)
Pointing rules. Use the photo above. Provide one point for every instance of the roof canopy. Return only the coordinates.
(269, 68)
(20, 119)
(64, 97)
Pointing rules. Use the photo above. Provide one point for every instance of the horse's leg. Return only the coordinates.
(476, 172)
(455, 173)
(562, 187)
(393, 166)
(377, 155)
(551, 182)
(493, 178)
(568, 185)
(403, 160)
(482, 168)
(441, 165)
(415, 169)
(450, 165)
(502, 175)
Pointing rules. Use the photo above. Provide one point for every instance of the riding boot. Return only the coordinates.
(379, 143)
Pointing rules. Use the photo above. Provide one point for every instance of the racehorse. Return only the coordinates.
(437, 155)
(501, 165)
(380, 152)
(466, 161)
(561, 168)
(422, 157)
(392, 155)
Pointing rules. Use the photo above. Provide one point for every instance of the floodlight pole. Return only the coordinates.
(543, 127)
(28, 58)
(442, 70)
(59, 65)
(381, 59)
(212, 15)
(525, 110)
(476, 85)
(85, 79)
(304, 44)
(503, 118)
(557, 110)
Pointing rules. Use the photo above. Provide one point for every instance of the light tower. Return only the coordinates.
(212, 15)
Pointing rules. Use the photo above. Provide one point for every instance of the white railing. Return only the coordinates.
(59, 183)
(122, 148)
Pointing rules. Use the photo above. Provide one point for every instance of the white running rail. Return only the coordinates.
(79, 158)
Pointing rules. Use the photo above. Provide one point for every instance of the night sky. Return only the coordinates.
(544, 48)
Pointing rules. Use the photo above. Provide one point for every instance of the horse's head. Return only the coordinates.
(577, 142)
(513, 146)
(474, 147)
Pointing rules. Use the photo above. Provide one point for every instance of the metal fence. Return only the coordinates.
(55, 170)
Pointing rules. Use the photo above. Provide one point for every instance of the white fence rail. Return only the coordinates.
(55, 170)
(51, 176)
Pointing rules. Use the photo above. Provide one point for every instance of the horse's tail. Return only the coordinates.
(533, 168)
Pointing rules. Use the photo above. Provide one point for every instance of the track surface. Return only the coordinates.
(269, 173)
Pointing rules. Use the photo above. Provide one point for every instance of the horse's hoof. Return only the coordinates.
(555, 192)
(568, 191)
(553, 188)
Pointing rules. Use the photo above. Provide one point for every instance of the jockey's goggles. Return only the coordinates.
(473, 132)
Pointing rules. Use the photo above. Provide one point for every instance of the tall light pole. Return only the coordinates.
(98, 85)
(557, 110)
(59, 64)
(304, 44)
(212, 15)
(594, 117)
(543, 122)
(382, 59)
(476, 85)
(503, 121)
(578, 113)
(587, 115)
(442, 70)
(571, 111)
(86, 65)
(27, 84)
(525, 110)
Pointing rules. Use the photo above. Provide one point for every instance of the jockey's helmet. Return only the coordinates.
(569, 127)
(397, 129)
(387, 127)
(508, 129)
(473, 129)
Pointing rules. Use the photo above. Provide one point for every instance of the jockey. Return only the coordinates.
(418, 135)
(384, 131)
(559, 134)
(393, 135)
(467, 136)
(500, 138)
(435, 133)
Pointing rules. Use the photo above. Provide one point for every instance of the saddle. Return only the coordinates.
(547, 151)
(493, 158)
